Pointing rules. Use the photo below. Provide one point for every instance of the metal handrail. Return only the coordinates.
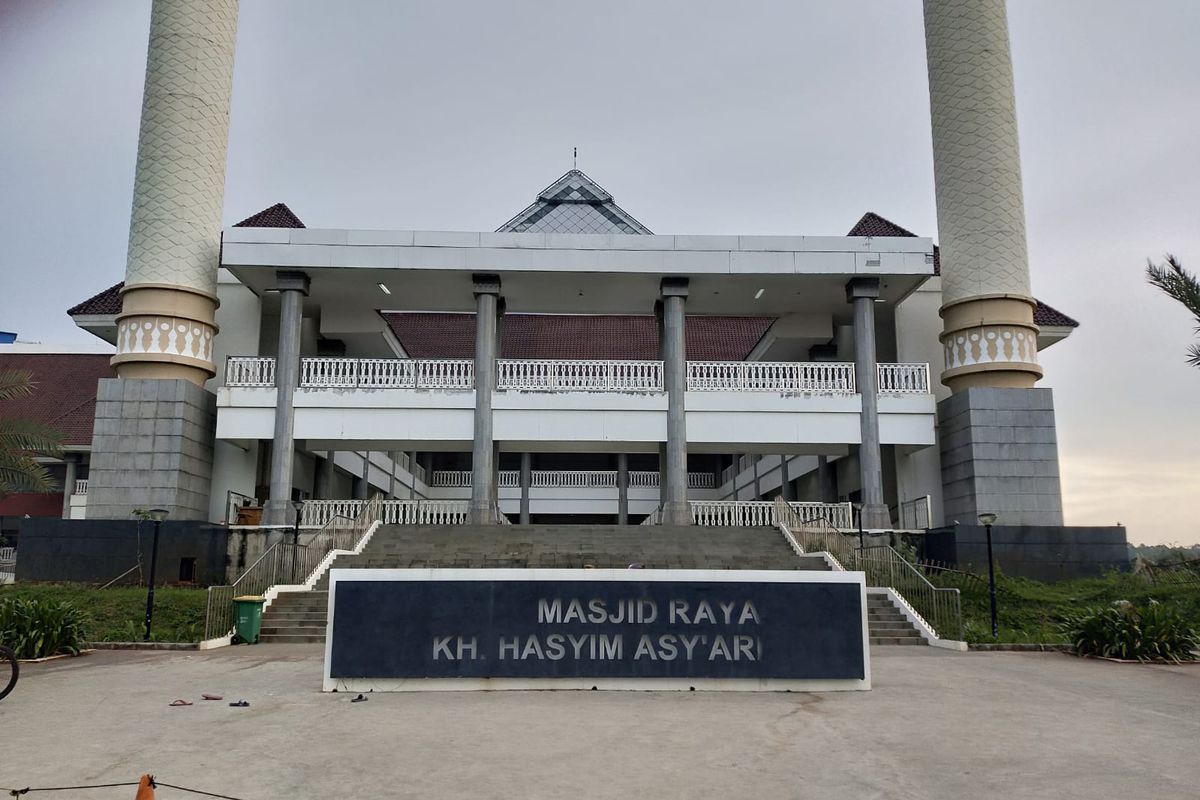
(940, 608)
(286, 562)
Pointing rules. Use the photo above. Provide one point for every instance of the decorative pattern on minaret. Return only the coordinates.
(179, 185)
(981, 215)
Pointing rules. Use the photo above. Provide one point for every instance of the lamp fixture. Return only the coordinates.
(383, 288)
(759, 293)
(157, 514)
(987, 519)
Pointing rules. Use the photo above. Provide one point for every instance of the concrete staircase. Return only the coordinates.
(886, 624)
(301, 616)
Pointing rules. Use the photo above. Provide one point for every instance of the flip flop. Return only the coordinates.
(180, 703)
(207, 696)
(360, 699)
(240, 704)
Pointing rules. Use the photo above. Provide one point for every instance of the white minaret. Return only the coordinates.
(989, 337)
(166, 325)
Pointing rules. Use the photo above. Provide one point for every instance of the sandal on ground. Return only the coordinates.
(362, 698)
(240, 704)
(180, 702)
(208, 696)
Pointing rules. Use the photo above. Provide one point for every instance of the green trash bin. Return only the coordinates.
(247, 617)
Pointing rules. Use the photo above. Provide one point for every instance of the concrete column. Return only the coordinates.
(785, 482)
(166, 325)
(323, 480)
(674, 294)
(392, 475)
(292, 288)
(526, 481)
(754, 459)
(483, 453)
(71, 460)
(988, 336)
(826, 480)
(622, 488)
(862, 292)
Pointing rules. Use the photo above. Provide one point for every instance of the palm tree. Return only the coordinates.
(21, 440)
(1180, 284)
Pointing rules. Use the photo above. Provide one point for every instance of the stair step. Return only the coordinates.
(290, 638)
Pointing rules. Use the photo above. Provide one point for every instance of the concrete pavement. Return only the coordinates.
(937, 725)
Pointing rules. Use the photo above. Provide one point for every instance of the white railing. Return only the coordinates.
(903, 378)
(387, 373)
(445, 373)
(579, 376)
(451, 478)
(569, 479)
(751, 513)
(770, 376)
(249, 371)
(81, 486)
(391, 512)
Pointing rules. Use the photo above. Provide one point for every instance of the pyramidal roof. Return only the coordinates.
(574, 204)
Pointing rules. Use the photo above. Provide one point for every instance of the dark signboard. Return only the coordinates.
(577, 624)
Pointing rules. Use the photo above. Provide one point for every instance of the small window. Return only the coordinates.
(187, 570)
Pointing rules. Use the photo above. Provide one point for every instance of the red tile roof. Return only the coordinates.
(64, 392)
(571, 336)
(109, 300)
(106, 302)
(872, 224)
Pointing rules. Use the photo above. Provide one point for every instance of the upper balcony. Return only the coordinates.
(545, 405)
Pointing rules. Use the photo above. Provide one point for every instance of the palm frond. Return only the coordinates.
(15, 383)
(1182, 286)
(26, 435)
(23, 474)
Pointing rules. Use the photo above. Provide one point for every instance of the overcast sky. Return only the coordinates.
(750, 117)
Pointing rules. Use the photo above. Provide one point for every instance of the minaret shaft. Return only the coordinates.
(166, 326)
(989, 337)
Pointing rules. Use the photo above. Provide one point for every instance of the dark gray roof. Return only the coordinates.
(574, 204)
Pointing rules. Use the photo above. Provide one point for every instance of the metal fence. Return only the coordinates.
(8, 565)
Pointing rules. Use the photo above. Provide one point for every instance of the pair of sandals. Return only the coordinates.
(206, 696)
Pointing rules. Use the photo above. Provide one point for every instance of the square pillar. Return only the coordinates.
(785, 481)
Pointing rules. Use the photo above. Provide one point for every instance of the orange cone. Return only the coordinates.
(145, 788)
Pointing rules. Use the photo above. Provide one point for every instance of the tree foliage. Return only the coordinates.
(22, 440)
(1179, 284)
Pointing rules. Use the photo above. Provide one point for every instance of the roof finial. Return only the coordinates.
(575, 158)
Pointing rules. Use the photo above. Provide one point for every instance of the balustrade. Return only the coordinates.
(569, 479)
(579, 376)
(903, 378)
(81, 486)
(769, 376)
(249, 371)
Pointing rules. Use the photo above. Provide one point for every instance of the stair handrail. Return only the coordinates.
(814, 533)
(286, 562)
(939, 607)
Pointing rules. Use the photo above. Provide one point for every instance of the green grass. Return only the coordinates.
(118, 614)
(1030, 611)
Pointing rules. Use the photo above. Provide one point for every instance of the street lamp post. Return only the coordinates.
(987, 521)
(158, 515)
(298, 506)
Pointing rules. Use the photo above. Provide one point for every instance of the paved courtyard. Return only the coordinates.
(937, 725)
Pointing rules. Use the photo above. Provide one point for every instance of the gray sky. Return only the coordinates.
(754, 117)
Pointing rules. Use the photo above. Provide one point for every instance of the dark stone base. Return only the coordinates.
(999, 453)
(152, 447)
(1041, 552)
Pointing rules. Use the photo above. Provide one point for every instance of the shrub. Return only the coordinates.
(1153, 632)
(40, 628)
